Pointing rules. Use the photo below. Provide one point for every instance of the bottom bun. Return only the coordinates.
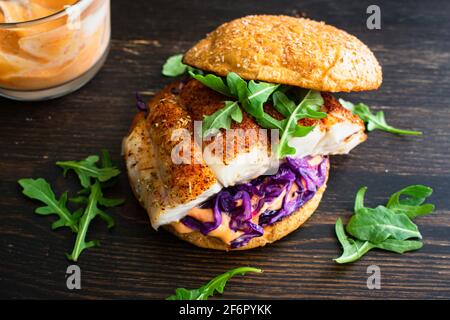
(271, 233)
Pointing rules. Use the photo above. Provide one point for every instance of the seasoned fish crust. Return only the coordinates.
(161, 185)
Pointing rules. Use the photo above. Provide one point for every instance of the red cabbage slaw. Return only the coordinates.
(309, 178)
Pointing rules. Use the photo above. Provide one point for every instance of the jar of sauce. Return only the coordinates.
(49, 48)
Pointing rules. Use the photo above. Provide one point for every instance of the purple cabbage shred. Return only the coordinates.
(140, 104)
(236, 201)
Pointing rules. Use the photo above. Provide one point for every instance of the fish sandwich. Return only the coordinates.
(255, 73)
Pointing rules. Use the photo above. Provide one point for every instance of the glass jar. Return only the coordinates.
(59, 50)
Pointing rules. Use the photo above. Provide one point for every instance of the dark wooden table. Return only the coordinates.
(134, 261)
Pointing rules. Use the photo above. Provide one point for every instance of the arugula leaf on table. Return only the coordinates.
(90, 212)
(399, 246)
(110, 223)
(385, 227)
(410, 201)
(40, 189)
(217, 284)
(359, 199)
(106, 202)
(354, 249)
(91, 196)
(374, 121)
(380, 223)
(106, 161)
(82, 195)
(87, 169)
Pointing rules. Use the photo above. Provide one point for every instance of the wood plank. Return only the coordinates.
(137, 262)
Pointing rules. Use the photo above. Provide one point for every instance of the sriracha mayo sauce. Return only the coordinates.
(44, 54)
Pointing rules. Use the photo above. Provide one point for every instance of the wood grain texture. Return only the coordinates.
(136, 262)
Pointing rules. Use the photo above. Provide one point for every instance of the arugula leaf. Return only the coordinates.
(353, 249)
(252, 96)
(106, 159)
(307, 108)
(374, 121)
(91, 197)
(283, 104)
(110, 202)
(359, 199)
(399, 246)
(209, 289)
(387, 228)
(347, 105)
(106, 202)
(257, 94)
(107, 218)
(378, 224)
(237, 86)
(221, 119)
(87, 169)
(174, 66)
(269, 122)
(89, 214)
(41, 190)
(82, 197)
(411, 203)
(213, 82)
(312, 101)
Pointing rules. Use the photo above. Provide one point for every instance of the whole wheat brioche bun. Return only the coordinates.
(287, 50)
(271, 233)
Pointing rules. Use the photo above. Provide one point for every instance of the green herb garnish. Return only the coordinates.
(222, 117)
(410, 201)
(307, 108)
(256, 95)
(214, 82)
(174, 66)
(215, 285)
(90, 212)
(41, 190)
(92, 179)
(354, 249)
(374, 121)
(87, 169)
(252, 96)
(387, 227)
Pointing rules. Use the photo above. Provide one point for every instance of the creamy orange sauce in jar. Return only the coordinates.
(60, 47)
